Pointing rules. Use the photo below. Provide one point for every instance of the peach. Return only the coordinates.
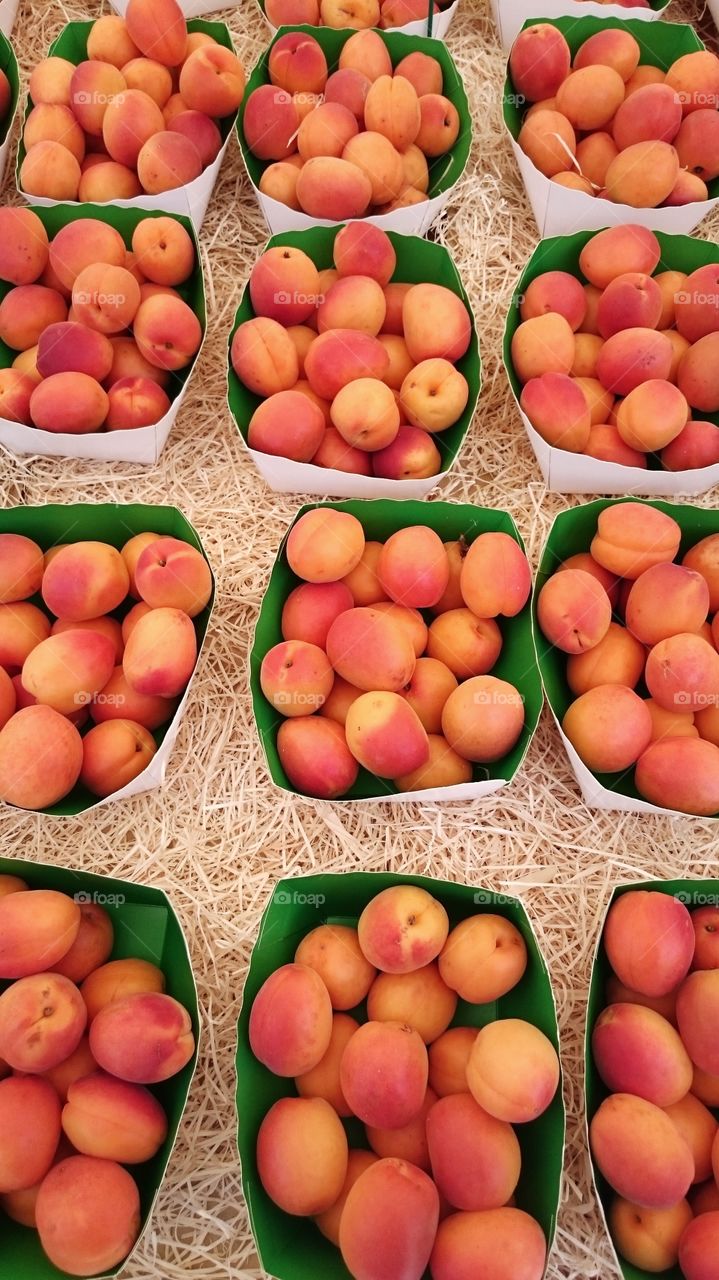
(609, 727)
(42, 1018)
(384, 1074)
(353, 302)
(26, 311)
(50, 171)
(284, 285)
(289, 424)
(323, 1080)
(296, 677)
(633, 536)
(475, 1158)
(30, 1116)
(448, 1058)
(167, 332)
(697, 1002)
(385, 735)
(543, 344)
(270, 123)
(50, 81)
(695, 80)
(649, 941)
(116, 980)
(51, 123)
(434, 395)
(108, 181)
(682, 672)
(698, 1127)
(161, 653)
(315, 756)
(420, 998)
(632, 357)
(92, 945)
(666, 590)
(549, 140)
(513, 1070)
(574, 611)
(85, 580)
(510, 1241)
(150, 76)
(483, 958)
(302, 1155)
(212, 80)
(539, 61)
(637, 1051)
(648, 1238)
(402, 929)
(69, 402)
(483, 719)
(324, 545)
(159, 30)
(88, 1214)
(144, 1038)
(70, 347)
(641, 1152)
(166, 161)
(618, 659)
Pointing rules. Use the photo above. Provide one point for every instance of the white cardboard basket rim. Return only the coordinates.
(8, 12)
(190, 8)
(441, 22)
(511, 15)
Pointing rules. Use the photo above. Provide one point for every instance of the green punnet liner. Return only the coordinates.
(566, 472)
(444, 171)
(114, 524)
(516, 663)
(572, 533)
(418, 261)
(8, 64)
(145, 927)
(293, 1248)
(191, 200)
(561, 211)
(511, 15)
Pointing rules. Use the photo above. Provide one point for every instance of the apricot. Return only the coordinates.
(296, 677)
(609, 727)
(653, 112)
(50, 171)
(49, 123)
(150, 76)
(69, 402)
(131, 119)
(26, 311)
(698, 1127)
(50, 82)
(284, 285)
(363, 582)
(42, 1018)
(384, 1074)
(448, 1058)
(483, 958)
(643, 175)
(333, 951)
(353, 302)
(637, 1051)
(483, 719)
(697, 445)
(640, 1152)
(697, 1001)
(632, 357)
(444, 768)
(289, 424)
(113, 1120)
(697, 1246)
(94, 85)
(22, 627)
(539, 61)
(158, 30)
(389, 1220)
(167, 332)
(427, 691)
(420, 998)
(30, 1113)
(329, 1221)
(704, 557)
(648, 1238)
(291, 1020)
(212, 80)
(337, 188)
(379, 163)
(705, 922)
(682, 672)
(88, 1214)
(468, 645)
(144, 1038)
(574, 610)
(115, 752)
(8, 698)
(160, 654)
(336, 706)
(475, 1158)
(92, 945)
(107, 181)
(33, 782)
(695, 80)
(434, 395)
(385, 735)
(666, 590)
(170, 573)
(324, 545)
(618, 659)
(402, 929)
(705, 1199)
(633, 536)
(84, 581)
(117, 979)
(649, 941)
(632, 300)
(590, 96)
(270, 123)
(513, 1070)
(549, 140)
(555, 291)
(71, 347)
(543, 344)
(315, 756)
(511, 1242)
